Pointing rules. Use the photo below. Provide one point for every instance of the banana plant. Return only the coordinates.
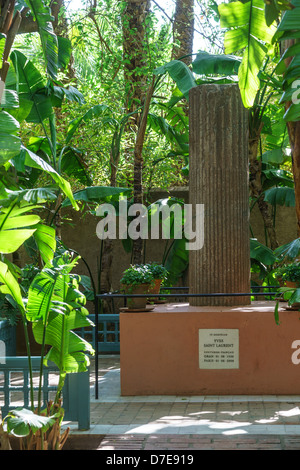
(55, 307)
(23, 89)
(247, 30)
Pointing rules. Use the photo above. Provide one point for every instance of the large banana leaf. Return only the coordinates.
(211, 64)
(10, 285)
(45, 240)
(261, 253)
(16, 225)
(21, 422)
(289, 28)
(273, 8)
(98, 194)
(288, 251)
(42, 16)
(161, 126)
(34, 161)
(10, 143)
(32, 88)
(204, 64)
(56, 304)
(247, 29)
(32, 196)
(68, 349)
(282, 196)
(181, 75)
(73, 165)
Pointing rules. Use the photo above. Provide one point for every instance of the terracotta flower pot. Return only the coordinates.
(154, 289)
(137, 303)
(291, 284)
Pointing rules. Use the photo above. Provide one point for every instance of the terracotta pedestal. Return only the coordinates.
(160, 351)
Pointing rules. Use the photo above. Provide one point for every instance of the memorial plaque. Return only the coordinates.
(218, 349)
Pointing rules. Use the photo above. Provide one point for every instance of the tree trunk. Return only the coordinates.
(9, 25)
(135, 63)
(183, 30)
(135, 54)
(138, 170)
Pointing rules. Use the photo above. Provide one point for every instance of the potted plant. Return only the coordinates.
(54, 307)
(137, 279)
(159, 273)
(289, 276)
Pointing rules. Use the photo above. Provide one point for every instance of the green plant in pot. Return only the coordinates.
(137, 279)
(291, 275)
(159, 273)
(55, 307)
(290, 278)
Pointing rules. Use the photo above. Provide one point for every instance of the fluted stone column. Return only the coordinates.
(218, 169)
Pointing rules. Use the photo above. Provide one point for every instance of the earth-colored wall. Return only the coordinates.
(80, 234)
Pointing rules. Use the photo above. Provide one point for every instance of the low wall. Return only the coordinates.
(160, 351)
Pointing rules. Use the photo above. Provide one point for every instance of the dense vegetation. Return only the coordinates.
(94, 105)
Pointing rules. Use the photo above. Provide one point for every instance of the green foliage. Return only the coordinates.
(247, 30)
(10, 143)
(9, 309)
(158, 271)
(290, 272)
(9, 285)
(261, 253)
(289, 29)
(137, 274)
(98, 194)
(288, 251)
(180, 73)
(22, 422)
(14, 225)
(56, 307)
(176, 261)
(42, 16)
(213, 64)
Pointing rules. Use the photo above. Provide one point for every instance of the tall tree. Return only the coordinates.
(135, 16)
(183, 30)
(134, 20)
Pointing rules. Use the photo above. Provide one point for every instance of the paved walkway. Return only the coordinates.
(187, 423)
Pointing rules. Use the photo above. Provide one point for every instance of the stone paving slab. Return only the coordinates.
(185, 443)
(162, 423)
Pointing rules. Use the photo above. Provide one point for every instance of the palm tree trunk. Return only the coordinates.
(183, 30)
(138, 170)
(135, 54)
